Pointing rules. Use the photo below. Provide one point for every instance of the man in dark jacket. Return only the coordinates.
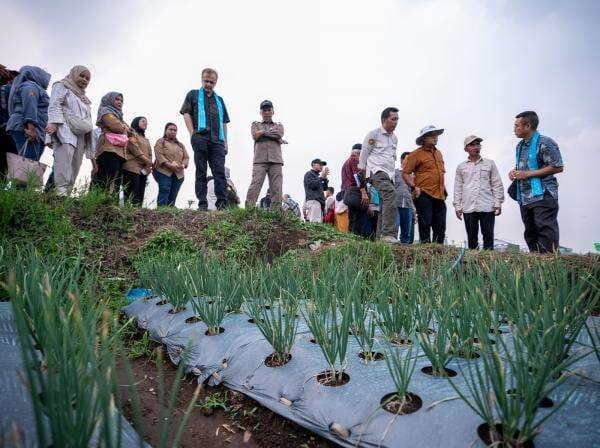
(315, 183)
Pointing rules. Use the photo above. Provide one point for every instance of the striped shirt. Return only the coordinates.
(64, 102)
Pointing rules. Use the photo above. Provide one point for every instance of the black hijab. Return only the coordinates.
(135, 124)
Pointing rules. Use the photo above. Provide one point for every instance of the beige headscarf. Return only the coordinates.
(70, 82)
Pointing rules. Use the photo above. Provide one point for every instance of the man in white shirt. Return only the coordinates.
(378, 162)
(478, 194)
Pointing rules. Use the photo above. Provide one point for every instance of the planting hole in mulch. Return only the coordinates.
(172, 311)
(484, 433)
(477, 341)
(274, 361)
(493, 331)
(221, 330)
(162, 302)
(326, 378)
(401, 342)
(428, 331)
(392, 403)
(370, 356)
(193, 320)
(428, 370)
(252, 321)
(462, 354)
(545, 402)
(313, 341)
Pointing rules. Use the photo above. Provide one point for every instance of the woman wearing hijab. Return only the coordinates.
(111, 148)
(171, 160)
(138, 164)
(69, 127)
(28, 110)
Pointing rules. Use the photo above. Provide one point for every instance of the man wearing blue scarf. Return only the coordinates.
(538, 159)
(206, 119)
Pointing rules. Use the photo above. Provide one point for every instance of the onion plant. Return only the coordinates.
(277, 323)
(506, 393)
(211, 293)
(401, 365)
(329, 323)
(395, 303)
(170, 278)
(436, 344)
(548, 306)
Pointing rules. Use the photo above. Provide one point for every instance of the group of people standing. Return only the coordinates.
(377, 198)
(415, 192)
(121, 155)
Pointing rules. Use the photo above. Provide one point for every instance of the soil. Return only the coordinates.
(411, 403)
(243, 422)
(327, 378)
(193, 320)
(428, 370)
(274, 361)
(483, 431)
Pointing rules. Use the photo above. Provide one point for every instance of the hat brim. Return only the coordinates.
(420, 138)
(478, 139)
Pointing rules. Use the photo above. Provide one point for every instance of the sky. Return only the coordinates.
(331, 67)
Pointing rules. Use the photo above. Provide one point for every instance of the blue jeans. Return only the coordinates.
(34, 149)
(168, 188)
(405, 222)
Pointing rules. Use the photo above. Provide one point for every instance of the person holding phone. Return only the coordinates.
(315, 184)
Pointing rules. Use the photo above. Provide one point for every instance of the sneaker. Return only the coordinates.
(389, 239)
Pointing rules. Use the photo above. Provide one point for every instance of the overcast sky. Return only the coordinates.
(330, 67)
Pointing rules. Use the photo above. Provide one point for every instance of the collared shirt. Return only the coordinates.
(63, 102)
(167, 151)
(349, 169)
(190, 106)
(379, 153)
(403, 193)
(548, 154)
(134, 163)
(478, 186)
(267, 147)
(428, 168)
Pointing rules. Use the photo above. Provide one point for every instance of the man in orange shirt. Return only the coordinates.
(427, 164)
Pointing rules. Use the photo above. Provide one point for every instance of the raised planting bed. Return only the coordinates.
(352, 413)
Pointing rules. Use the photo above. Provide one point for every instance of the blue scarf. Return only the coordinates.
(532, 164)
(202, 113)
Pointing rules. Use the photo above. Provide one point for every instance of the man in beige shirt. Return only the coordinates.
(478, 194)
(268, 137)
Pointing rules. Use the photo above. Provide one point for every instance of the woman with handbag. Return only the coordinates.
(69, 127)
(138, 164)
(111, 152)
(171, 160)
(28, 111)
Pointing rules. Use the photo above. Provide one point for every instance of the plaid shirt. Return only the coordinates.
(548, 154)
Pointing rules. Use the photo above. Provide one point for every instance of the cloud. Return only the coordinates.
(331, 67)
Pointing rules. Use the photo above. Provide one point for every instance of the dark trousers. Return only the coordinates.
(472, 223)
(168, 188)
(356, 217)
(110, 173)
(405, 224)
(432, 216)
(134, 187)
(541, 224)
(7, 144)
(213, 153)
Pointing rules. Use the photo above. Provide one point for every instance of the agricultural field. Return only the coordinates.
(247, 328)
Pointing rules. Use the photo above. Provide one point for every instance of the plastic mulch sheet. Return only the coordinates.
(351, 414)
(17, 424)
